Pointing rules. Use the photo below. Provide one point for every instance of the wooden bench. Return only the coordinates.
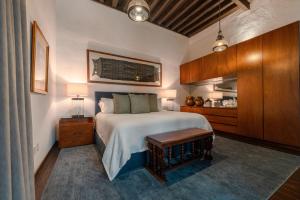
(162, 149)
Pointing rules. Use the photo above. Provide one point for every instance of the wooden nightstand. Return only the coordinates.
(75, 132)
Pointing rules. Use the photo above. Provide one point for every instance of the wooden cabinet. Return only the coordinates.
(209, 68)
(190, 72)
(184, 74)
(221, 119)
(75, 131)
(281, 85)
(227, 62)
(195, 70)
(250, 88)
(268, 72)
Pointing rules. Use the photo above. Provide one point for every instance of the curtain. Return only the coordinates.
(16, 151)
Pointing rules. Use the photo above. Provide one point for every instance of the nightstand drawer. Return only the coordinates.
(75, 133)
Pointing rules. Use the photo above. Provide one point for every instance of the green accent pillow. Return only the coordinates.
(153, 103)
(139, 103)
(121, 103)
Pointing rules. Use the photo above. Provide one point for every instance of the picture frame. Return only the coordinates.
(39, 61)
(110, 68)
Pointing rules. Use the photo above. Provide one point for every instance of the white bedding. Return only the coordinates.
(124, 134)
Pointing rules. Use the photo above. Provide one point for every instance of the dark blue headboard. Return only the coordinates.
(109, 95)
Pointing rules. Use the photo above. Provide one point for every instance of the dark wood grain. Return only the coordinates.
(209, 67)
(165, 141)
(185, 74)
(178, 137)
(195, 69)
(250, 88)
(290, 190)
(227, 62)
(221, 119)
(281, 85)
(244, 4)
(227, 112)
(76, 131)
(43, 173)
(181, 16)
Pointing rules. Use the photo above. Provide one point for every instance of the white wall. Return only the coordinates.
(43, 106)
(83, 25)
(264, 16)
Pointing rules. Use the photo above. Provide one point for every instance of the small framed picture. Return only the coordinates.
(39, 61)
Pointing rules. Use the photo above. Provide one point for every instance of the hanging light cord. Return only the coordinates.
(219, 15)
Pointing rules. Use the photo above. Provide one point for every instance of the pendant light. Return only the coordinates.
(138, 10)
(220, 44)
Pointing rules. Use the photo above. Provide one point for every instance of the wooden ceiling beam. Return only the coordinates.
(157, 13)
(108, 2)
(212, 20)
(114, 3)
(194, 16)
(171, 11)
(193, 3)
(153, 4)
(213, 13)
(122, 5)
(243, 4)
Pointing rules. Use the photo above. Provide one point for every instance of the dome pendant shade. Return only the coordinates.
(138, 10)
(220, 44)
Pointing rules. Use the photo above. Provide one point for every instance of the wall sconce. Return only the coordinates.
(77, 91)
(170, 96)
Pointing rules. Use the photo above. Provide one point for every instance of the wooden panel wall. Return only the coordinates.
(250, 88)
(281, 85)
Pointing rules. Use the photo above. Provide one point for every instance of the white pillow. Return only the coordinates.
(106, 105)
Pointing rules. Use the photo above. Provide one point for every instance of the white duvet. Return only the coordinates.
(124, 134)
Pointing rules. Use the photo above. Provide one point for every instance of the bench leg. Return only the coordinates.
(162, 164)
(169, 156)
(208, 146)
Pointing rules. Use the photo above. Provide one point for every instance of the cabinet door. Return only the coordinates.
(209, 68)
(227, 62)
(250, 88)
(281, 85)
(185, 73)
(195, 70)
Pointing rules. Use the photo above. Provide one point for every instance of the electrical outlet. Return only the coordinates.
(36, 148)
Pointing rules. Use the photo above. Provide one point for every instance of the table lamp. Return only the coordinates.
(215, 96)
(170, 96)
(77, 91)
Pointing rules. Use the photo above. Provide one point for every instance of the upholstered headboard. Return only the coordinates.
(109, 95)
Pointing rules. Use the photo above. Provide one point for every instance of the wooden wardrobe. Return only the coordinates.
(281, 85)
(268, 71)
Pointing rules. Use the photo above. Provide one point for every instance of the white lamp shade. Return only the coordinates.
(77, 89)
(169, 94)
(215, 95)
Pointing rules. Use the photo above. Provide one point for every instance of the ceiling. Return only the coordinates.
(186, 17)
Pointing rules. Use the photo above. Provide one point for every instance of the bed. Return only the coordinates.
(120, 138)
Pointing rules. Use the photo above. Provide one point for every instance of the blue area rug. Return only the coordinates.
(238, 171)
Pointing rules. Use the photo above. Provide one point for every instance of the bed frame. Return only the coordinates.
(137, 160)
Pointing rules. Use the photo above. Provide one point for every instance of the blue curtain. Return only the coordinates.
(16, 151)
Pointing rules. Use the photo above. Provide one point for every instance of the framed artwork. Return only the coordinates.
(114, 69)
(39, 61)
